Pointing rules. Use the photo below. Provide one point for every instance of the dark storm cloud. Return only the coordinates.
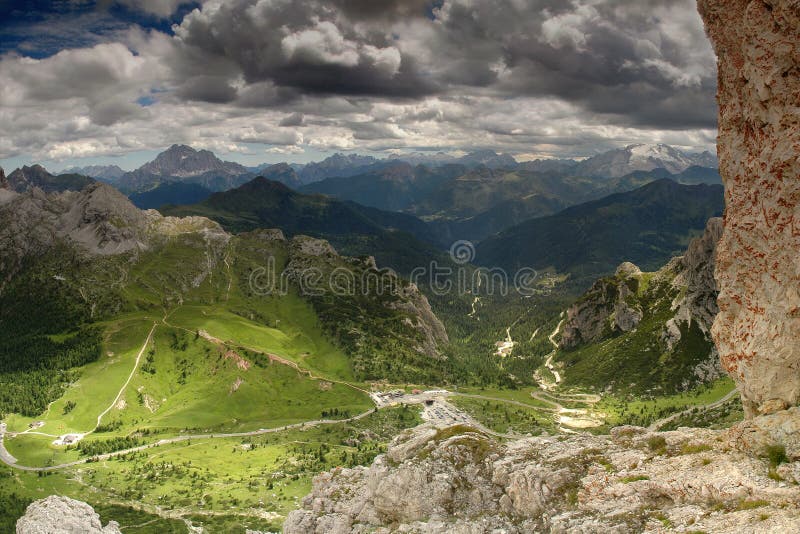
(295, 119)
(647, 62)
(385, 9)
(520, 75)
(640, 62)
(314, 47)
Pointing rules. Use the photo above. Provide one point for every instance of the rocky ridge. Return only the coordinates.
(614, 305)
(36, 176)
(459, 480)
(757, 330)
(98, 220)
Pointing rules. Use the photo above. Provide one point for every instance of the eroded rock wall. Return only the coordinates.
(451, 480)
(757, 330)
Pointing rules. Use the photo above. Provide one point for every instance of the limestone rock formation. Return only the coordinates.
(607, 308)
(697, 301)
(612, 305)
(757, 330)
(98, 220)
(457, 480)
(317, 268)
(63, 515)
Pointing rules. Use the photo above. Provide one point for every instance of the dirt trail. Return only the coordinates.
(549, 362)
(130, 377)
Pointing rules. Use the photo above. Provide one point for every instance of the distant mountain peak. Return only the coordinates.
(108, 173)
(36, 176)
(184, 161)
(642, 157)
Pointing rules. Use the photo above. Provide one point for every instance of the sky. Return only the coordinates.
(115, 82)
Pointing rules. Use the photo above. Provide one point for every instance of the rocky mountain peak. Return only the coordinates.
(98, 220)
(642, 157)
(185, 161)
(616, 305)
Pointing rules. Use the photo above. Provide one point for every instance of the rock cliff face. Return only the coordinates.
(608, 308)
(757, 330)
(457, 480)
(98, 220)
(63, 515)
(650, 324)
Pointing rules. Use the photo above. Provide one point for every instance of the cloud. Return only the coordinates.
(295, 119)
(321, 45)
(525, 76)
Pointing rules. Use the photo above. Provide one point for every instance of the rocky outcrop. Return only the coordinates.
(97, 220)
(316, 267)
(613, 305)
(3, 179)
(413, 302)
(459, 480)
(697, 301)
(757, 330)
(64, 516)
(608, 308)
(649, 331)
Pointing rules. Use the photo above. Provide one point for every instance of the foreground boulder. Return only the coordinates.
(460, 480)
(757, 330)
(63, 515)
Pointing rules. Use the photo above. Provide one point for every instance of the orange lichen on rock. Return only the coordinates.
(757, 330)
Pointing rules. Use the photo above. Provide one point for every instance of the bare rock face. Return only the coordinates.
(63, 515)
(459, 480)
(697, 301)
(3, 179)
(757, 330)
(607, 308)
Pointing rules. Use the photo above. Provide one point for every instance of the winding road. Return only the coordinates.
(549, 362)
(12, 462)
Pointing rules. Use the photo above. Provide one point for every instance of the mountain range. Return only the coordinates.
(641, 157)
(106, 173)
(181, 163)
(473, 204)
(401, 213)
(398, 240)
(646, 226)
(26, 178)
